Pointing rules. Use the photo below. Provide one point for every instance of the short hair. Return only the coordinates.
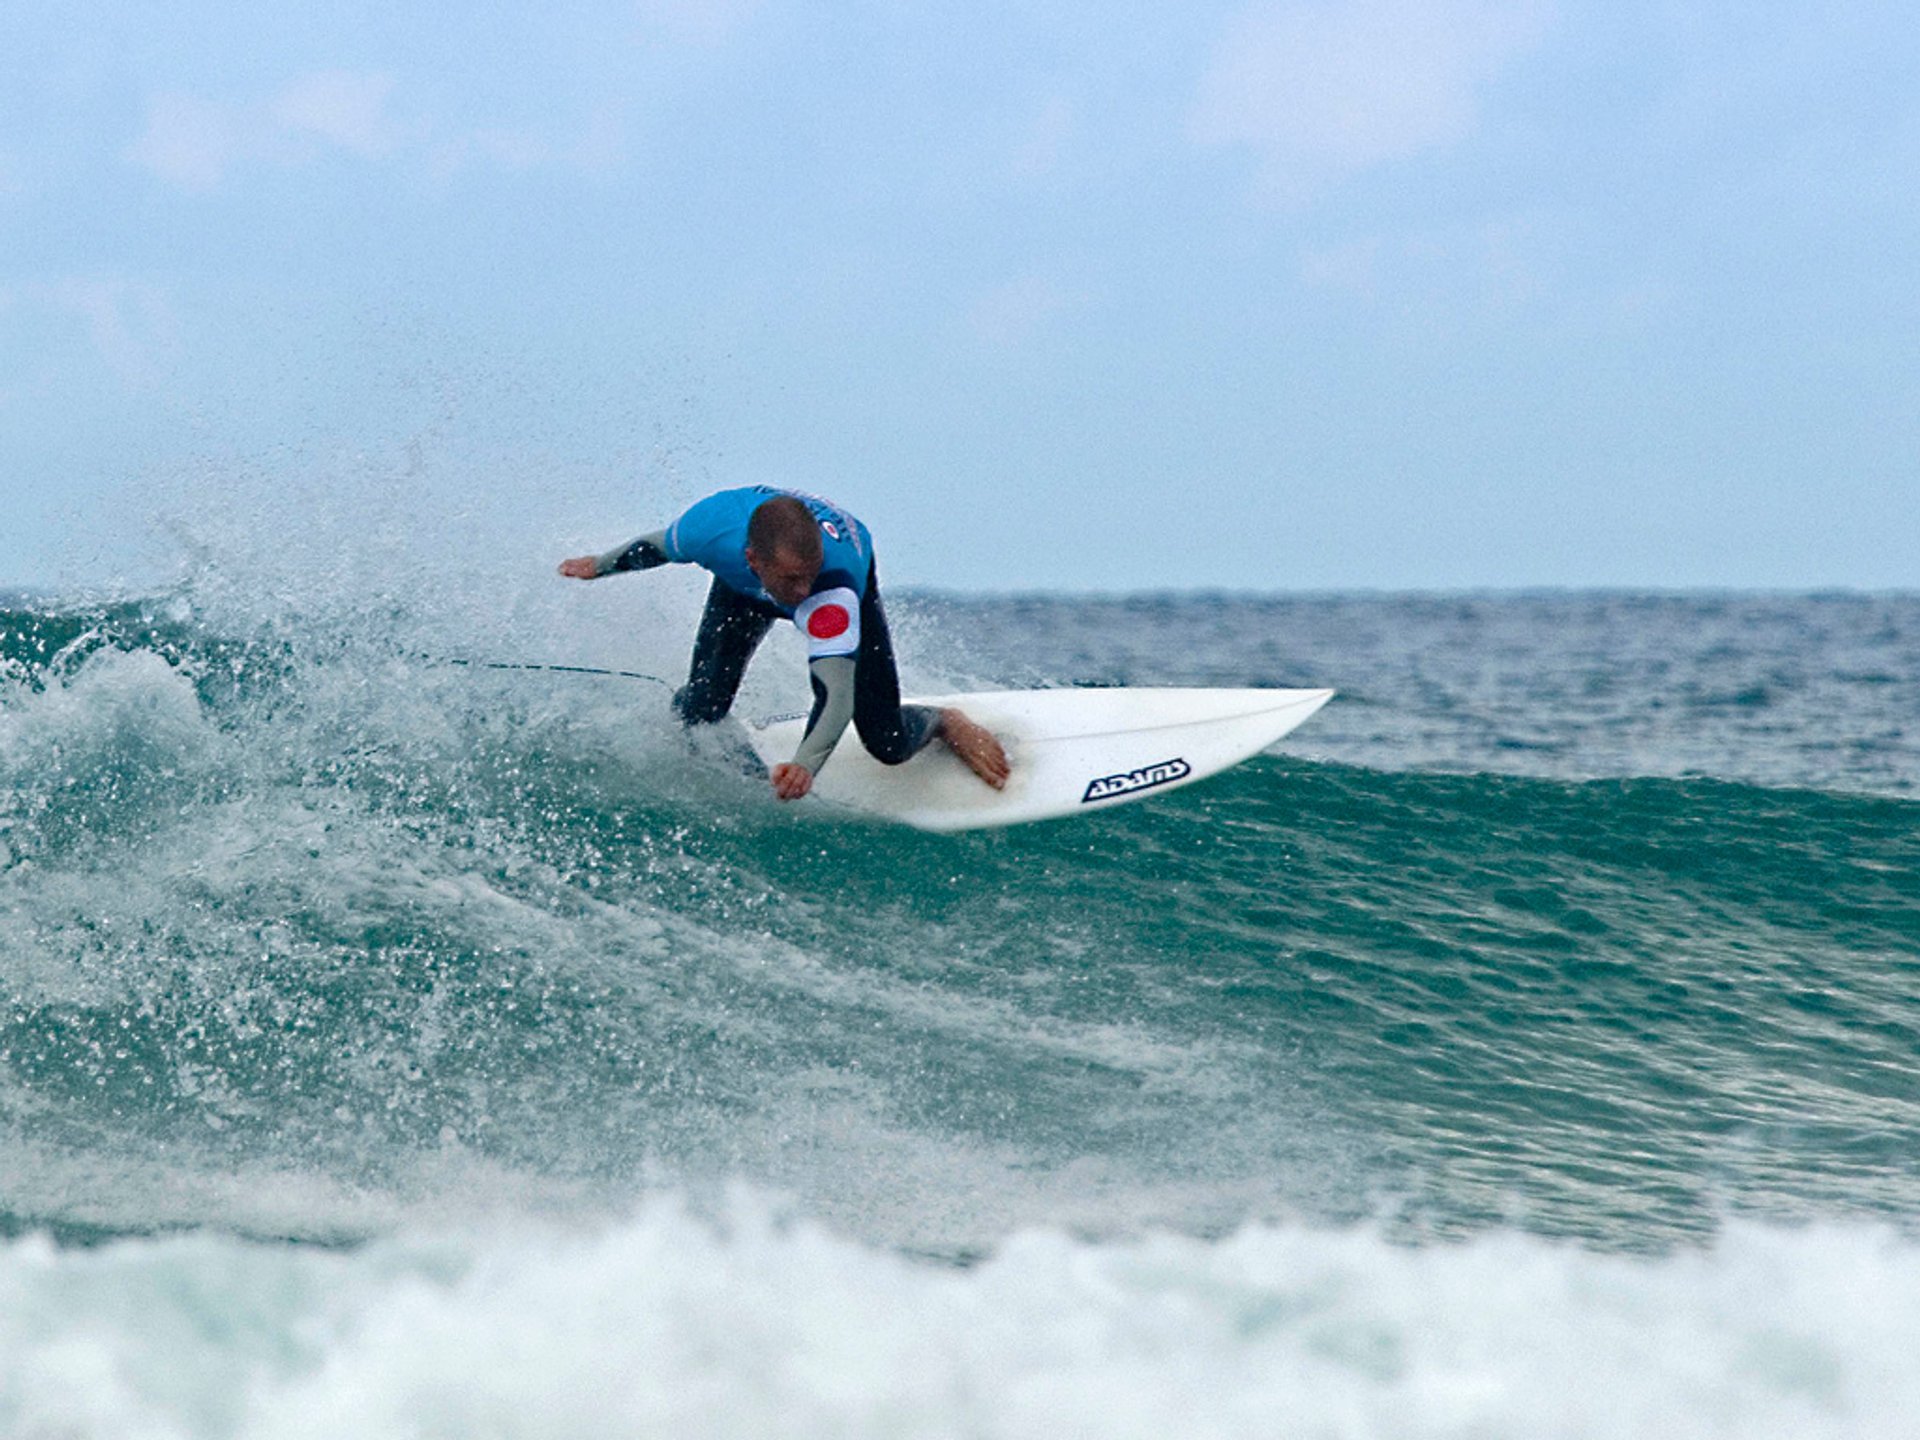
(785, 526)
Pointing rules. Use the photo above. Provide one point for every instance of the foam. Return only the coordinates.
(759, 1325)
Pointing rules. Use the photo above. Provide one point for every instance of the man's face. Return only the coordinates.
(788, 580)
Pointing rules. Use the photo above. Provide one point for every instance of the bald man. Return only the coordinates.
(774, 555)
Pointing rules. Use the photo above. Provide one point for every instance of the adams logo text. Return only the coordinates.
(1145, 778)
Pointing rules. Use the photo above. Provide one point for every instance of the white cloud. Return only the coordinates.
(194, 142)
(346, 109)
(197, 143)
(188, 141)
(1323, 88)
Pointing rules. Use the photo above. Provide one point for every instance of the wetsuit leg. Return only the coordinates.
(731, 628)
(892, 732)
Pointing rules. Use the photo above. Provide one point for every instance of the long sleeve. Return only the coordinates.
(642, 554)
(832, 677)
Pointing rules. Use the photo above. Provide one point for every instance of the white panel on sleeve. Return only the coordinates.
(830, 621)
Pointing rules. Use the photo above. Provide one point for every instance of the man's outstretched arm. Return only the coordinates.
(642, 554)
(832, 677)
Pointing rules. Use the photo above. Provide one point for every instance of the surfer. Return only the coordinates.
(776, 555)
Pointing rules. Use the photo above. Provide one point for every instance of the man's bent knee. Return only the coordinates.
(895, 748)
(897, 742)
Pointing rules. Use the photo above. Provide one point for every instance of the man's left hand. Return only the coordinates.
(790, 781)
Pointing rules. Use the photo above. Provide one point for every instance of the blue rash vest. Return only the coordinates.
(713, 535)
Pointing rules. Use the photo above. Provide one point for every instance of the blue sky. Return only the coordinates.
(1389, 293)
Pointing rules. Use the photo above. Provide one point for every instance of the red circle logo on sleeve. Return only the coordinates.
(828, 621)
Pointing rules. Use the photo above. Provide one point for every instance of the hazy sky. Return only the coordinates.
(1273, 295)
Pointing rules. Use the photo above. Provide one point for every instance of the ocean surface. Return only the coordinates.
(1528, 1046)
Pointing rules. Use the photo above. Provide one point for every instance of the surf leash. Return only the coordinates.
(557, 669)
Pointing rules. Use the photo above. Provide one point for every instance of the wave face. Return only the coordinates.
(1581, 934)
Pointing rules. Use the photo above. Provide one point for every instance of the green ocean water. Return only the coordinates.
(309, 938)
(256, 916)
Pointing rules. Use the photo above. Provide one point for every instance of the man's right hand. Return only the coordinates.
(790, 781)
(581, 567)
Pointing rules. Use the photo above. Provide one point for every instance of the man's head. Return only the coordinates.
(784, 549)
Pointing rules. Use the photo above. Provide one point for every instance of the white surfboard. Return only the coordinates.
(1071, 750)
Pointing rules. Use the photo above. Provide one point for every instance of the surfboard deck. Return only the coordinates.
(1072, 751)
